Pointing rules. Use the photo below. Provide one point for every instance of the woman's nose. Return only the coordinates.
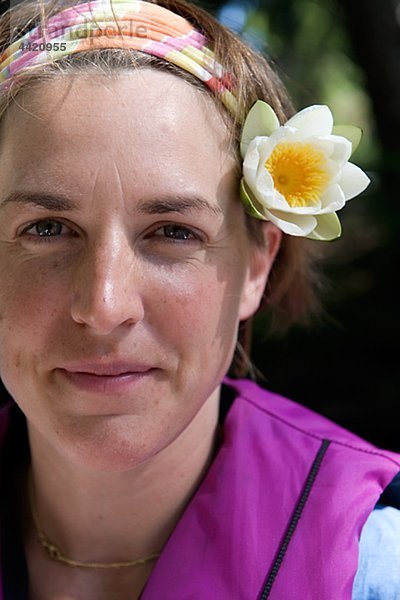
(106, 291)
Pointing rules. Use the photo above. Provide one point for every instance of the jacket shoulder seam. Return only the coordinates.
(320, 438)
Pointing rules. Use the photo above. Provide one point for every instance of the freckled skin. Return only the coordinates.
(108, 285)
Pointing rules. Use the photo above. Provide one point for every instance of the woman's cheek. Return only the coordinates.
(200, 311)
(31, 293)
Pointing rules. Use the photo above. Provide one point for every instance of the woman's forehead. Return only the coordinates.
(146, 102)
(148, 124)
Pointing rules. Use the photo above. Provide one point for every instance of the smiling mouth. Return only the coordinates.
(103, 367)
(105, 383)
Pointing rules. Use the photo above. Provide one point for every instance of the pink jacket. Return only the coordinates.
(280, 511)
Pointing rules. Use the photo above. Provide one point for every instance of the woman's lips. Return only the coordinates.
(105, 384)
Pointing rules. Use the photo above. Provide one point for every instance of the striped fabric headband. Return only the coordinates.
(144, 26)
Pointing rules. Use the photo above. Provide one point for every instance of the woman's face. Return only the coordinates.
(123, 249)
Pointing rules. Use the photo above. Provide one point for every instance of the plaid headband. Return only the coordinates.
(144, 26)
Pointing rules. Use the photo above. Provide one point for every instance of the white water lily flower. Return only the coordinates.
(298, 175)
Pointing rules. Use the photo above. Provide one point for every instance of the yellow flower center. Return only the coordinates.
(299, 172)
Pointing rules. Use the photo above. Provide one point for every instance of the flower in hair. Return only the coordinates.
(298, 175)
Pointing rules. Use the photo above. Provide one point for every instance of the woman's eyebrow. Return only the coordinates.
(181, 203)
(43, 200)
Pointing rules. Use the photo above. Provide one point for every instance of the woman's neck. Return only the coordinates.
(109, 517)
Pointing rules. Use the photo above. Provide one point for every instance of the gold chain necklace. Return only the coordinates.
(55, 553)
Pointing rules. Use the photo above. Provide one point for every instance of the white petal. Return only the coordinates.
(323, 143)
(328, 228)
(284, 206)
(265, 151)
(264, 184)
(265, 193)
(265, 196)
(284, 134)
(257, 153)
(341, 149)
(337, 150)
(353, 181)
(279, 202)
(292, 224)
(314, 120)
(251, 162)
(261, 120)
(350, 132)
(260, 185)
(303, 210)
(332, 200)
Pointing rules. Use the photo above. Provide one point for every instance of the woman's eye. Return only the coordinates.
(45, 229)
(176, 232)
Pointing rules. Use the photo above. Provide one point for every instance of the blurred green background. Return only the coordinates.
(344, 53)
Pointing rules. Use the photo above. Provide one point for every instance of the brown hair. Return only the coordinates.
(290, 295)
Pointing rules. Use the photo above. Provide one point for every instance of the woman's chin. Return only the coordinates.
(112, 443)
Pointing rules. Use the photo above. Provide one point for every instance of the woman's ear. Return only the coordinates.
(261, 260)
